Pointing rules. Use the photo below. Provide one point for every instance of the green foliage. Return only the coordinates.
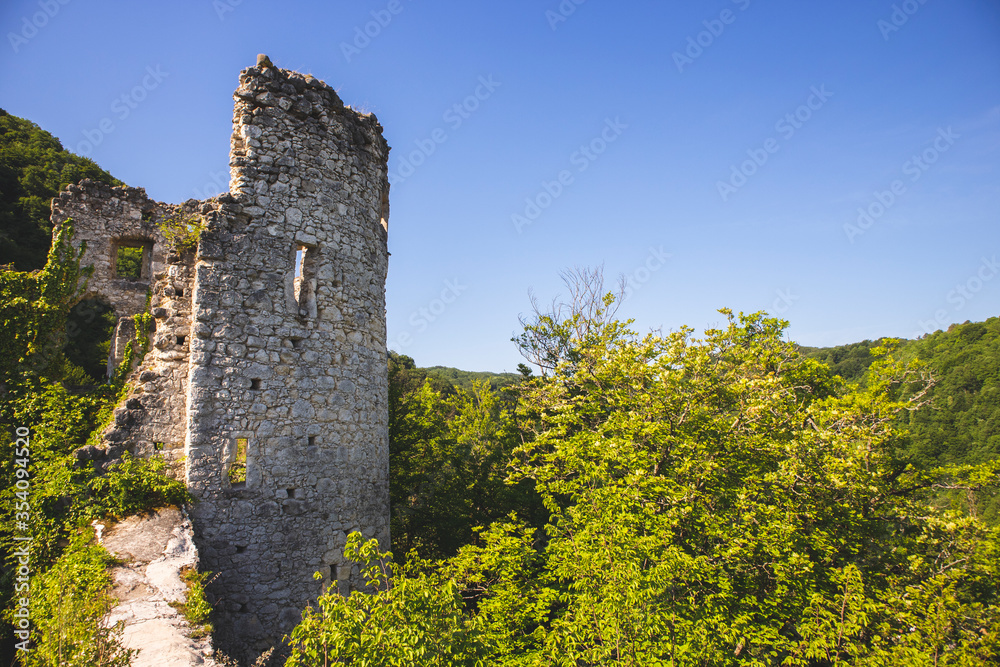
(466, 380)
(848, 361)
(410, 618)
(34, 167)
(962, 423)
(68, 602)
(448, 459)
(183, 231)
(721, 500)
(196, 607)
(134, 485)
(44, 392)
(238, 468)
(128, 262)
(33, 310)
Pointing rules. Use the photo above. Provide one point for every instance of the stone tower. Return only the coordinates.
(266, 382)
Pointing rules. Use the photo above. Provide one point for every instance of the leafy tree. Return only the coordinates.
(409, 619)
(721, 500)
(961, 425)
(448, 458)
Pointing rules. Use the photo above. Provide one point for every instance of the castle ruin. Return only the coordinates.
(265, 385)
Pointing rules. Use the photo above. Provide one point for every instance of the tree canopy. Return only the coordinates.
(714, 500)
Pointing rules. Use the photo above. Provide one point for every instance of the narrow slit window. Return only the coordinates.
(305, 280)
(300, 258)
(128, 262)
(238, 464)
(312, 440)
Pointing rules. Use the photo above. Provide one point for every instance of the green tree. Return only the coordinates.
(407, 618)
(721, 500)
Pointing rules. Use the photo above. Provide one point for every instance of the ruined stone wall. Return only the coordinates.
(268, 339)
(288, 353)
(104, 218)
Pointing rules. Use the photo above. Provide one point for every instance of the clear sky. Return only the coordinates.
(835, 163)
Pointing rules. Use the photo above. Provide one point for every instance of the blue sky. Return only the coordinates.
(718, 153)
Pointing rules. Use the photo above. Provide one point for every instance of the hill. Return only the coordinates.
(34, 166)
(962, 425)
(464, 379)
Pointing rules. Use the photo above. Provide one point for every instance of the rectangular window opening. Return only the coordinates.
(255, 384)
(238, 464)
(130, 261)
(181, 340)
(312, 440)
(290, 492)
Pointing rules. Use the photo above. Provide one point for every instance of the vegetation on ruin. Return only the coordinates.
(196, 607)
(43, 390)
(182, 231)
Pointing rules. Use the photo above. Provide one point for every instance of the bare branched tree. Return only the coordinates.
(549, 331)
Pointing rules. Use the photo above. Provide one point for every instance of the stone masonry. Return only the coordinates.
(267, 351)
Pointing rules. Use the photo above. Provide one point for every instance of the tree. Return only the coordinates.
(721, 500)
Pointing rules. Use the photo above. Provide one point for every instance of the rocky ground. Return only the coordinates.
(155, 548)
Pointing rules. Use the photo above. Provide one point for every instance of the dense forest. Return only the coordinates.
(714, 498)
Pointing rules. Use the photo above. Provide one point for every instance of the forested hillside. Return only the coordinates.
(961, 425)
(34, 166)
